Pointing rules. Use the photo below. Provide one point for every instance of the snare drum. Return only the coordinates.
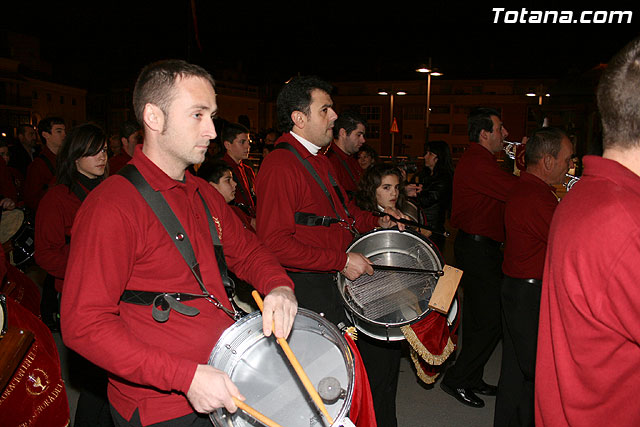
(16, 228)
(259, 368)
(381, 304)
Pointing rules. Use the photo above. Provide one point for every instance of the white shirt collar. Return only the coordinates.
(311, 148)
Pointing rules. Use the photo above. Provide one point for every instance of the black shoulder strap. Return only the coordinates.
(309, 167)
(345, 164)
(177, 234)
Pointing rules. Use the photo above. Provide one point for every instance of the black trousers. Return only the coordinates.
(520, 313)
(481, 262)
(92, 409)
(319, 292)
(191, 420)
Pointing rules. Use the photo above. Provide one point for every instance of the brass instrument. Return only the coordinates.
(510, 148)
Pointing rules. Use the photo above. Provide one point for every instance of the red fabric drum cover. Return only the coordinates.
(35, 395)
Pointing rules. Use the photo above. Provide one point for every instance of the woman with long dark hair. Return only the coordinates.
(80, 167)
(437, 180)
(381, 187)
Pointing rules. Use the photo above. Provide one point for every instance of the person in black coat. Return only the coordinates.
(436, 179)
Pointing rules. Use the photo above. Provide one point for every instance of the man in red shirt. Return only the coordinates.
(348, 137)
(528, 212)
(158, 372)
(589, 333)
(41, 171)
(480, 189)
(235, 138)
(130, 136)
(309, 230)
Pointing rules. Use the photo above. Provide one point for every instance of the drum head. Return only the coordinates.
(261, 371)
(390, 299)
(10, 224)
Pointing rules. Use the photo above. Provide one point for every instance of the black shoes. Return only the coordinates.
(464, 395)
(485, 389)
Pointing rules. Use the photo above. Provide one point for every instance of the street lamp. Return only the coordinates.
(429, 71)
(384, 92)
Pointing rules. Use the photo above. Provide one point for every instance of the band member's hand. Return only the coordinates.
(280, 308)
(357, 265)
(212, 389)
(7, 204)
(412, 190)
(387, 222)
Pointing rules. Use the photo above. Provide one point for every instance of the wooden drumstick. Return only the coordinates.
(297, 366)
(255, 414)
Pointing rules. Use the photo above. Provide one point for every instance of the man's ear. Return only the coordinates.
(299, 119)
(342, 133)
(548, 162)
(153, 117)
(226, 144)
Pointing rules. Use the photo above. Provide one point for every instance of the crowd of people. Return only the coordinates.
(553, 280)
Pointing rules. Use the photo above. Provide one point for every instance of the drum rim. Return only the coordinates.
(341, 278)
(343, 347)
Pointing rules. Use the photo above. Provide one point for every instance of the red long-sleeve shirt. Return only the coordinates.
(347, 178)
(589, 333)
(118, 161)
(244, 176)
(527, 217)
(480, 189)
(39, 178)
(284, 187)
(118, 244)
(54, 220)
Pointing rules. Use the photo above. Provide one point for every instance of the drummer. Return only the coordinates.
(307, 229)
(158, 371)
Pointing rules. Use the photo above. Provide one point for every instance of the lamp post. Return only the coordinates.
(429, 71)
(391, 94)
(541, 93)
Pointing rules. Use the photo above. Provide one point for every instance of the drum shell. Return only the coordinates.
(387, 245)
(260, 369)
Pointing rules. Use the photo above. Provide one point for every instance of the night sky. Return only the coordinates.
(105, 46)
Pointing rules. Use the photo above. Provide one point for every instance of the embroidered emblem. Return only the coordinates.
(37, 382)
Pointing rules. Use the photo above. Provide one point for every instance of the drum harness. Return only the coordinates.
(311, 219)
(163, 302)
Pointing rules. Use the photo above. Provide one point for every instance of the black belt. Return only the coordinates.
(478, 238)
(303, 218)
(536, 282)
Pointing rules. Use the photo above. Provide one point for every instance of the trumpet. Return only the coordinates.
(572, 180)
(510, 148)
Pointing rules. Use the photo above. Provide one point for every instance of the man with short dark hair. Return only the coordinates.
(43, 168)
(235, 138)
(22, 153)
(528, 212)
(130, 136)
(589, 333)
(348, 136)
(307, 228)
(480, 189)
(122, 261)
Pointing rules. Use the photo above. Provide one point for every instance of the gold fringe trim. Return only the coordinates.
(427, 379)
(352, 332)
(416, 344)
